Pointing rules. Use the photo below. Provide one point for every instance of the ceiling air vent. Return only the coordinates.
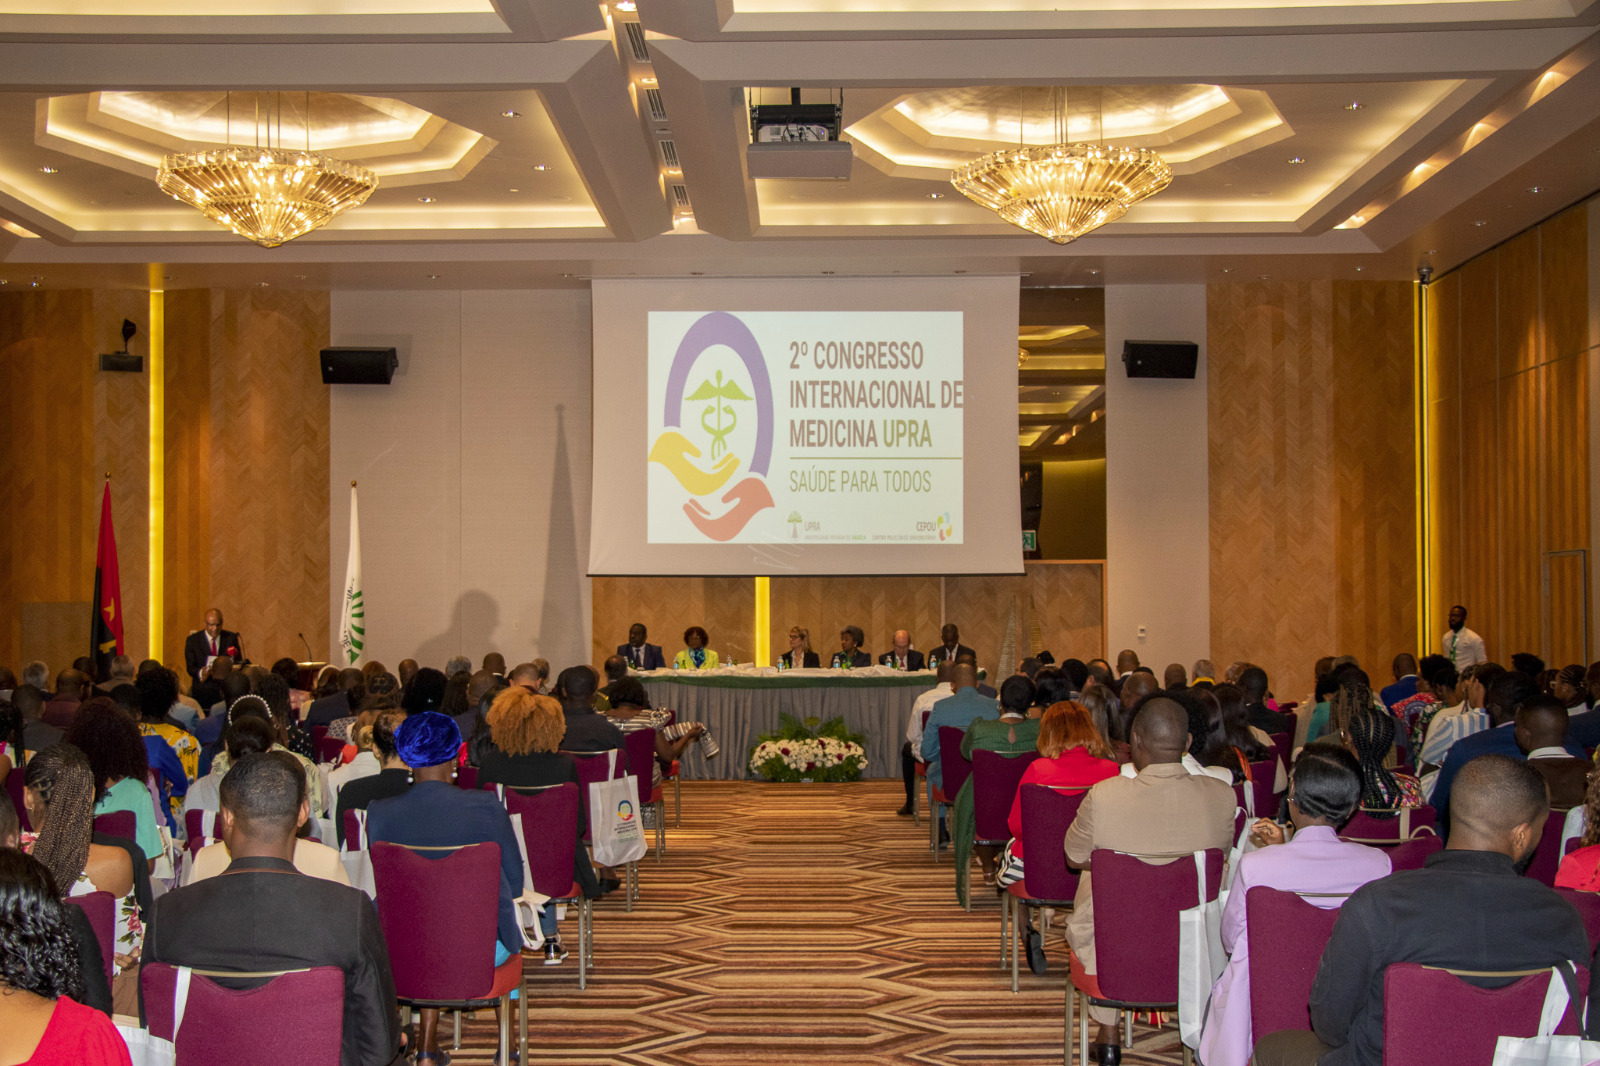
(635, 32)
(669, 154)
(658, 109)
(680, 195)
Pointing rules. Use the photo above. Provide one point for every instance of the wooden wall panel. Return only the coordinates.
(187, 474)
(1479, 589)
(1478, 328)
(1565, 615)
(122, 447)
(1447, 512)
(1520, 553)
(1566, 468)
(1564, 283)
(1311, 461)
(1517, 311)
(1067, 599)
(723, 606)
(879, 605)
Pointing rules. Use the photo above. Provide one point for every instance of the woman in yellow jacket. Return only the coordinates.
(696, 656)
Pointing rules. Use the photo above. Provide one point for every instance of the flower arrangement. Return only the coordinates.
(808, 751)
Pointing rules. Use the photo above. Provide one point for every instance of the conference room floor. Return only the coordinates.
(795, 923)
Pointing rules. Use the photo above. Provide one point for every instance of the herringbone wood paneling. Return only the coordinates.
(1311, 453)
(187, 473)
(1068, 599)
(723, 606)
(879, 605)
(122, 447)
(1479, 588)
(1520, 556)
(1517, 310)
(1564, 283)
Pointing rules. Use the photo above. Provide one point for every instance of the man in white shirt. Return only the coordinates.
(919, 710)
(1461, 645)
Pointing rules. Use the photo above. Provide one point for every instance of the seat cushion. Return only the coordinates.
(506, 977)
(1082, 979)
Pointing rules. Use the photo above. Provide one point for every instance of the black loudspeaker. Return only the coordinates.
(358, 366)
(1160, 359)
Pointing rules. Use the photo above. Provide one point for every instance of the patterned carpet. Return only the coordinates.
(794, 923)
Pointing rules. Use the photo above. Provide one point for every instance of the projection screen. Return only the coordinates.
(805, 426)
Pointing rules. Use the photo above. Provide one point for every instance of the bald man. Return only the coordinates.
(902, 656)
(1162, 810)
(209, 642)
(1468, 909)
(1541, 733)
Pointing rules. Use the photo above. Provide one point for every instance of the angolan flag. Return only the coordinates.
(352, 616)
(105, 632)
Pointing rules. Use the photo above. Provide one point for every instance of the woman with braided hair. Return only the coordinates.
(59, 797)
(1369, 734)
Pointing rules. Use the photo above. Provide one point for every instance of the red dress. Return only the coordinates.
(1580, 870)
(79, 1036)
(1073, 768)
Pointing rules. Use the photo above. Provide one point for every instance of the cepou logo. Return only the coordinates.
(718, 404)
(947, 529)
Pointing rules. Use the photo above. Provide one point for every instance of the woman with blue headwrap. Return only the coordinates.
(435, 813)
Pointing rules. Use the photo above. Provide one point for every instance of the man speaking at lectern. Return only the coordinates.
(206, 644)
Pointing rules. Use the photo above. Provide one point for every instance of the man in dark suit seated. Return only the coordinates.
(1405, 680)
(1541, 733)
(72, 688)
(264, 915)
(850, 654)
(903, 656)
(206, 644)
(587, 730)
(340, 704)
(640, 654)
(950, 647)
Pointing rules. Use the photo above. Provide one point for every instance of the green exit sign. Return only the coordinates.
(1030, 540)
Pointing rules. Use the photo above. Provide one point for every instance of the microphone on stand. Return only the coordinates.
(307, 643)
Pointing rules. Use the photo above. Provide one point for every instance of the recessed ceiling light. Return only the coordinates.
(48, 169)
(936, 196)
(827, 272)
(1296, 159)
(541, 166)
(1260, 193)
(433, 277)
(1431, 251)
(961, 272)
(1360, 269)
(424, 199)
(1262, 277)
(1093, 271)
(626, 5)
(302, 277)
(1536, 188)
(1354, 105)
(566, 275)
(263, 284)
(513, 190)
(647, 81)
(1480, 222)
(511, 112)
(701, 273)
(1227, 270)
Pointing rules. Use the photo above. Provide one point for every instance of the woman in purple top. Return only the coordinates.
(1323, 792)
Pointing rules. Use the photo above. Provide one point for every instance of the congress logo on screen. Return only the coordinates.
(718, 420)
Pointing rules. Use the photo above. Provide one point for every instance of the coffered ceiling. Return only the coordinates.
(534, 142)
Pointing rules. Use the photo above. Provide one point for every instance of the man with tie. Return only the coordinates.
(640, 654)
(902, 656)
(1461, 645)
(206, 644)
(950, 647)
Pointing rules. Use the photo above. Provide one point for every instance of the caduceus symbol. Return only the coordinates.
(718, 412)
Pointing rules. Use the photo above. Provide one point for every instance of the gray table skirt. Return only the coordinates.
(736, 716)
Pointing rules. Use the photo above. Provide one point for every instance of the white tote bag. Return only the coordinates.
(1546, 1049)
(615, 826)
(147, 1050)
(1200, 956)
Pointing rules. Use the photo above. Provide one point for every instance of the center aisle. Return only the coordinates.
(794, 923)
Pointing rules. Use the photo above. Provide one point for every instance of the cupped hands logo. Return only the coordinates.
(947, 529)
(713, 411)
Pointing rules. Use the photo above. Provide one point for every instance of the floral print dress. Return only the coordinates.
(130, 930)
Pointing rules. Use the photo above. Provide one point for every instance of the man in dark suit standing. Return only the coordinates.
(902, 656)
(640, 654)
(206, 644)
(950, 647)
(850, 654)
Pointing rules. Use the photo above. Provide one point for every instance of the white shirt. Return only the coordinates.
(1549, 753)
(365, 764)
(1463, 648)
(924, 702)
(1449, 726)
(1192, 765)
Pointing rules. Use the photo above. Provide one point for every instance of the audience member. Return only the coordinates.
(1580, 869)
(37, 734)
(457, 664)
(426, 692)
(1369, 735)
(1174, 677)
(13, 752)
(586, 729)
(1252, 683)
(158, 694)
(958, 709)
(1541, 731)
(310, 857)
(363, 764)
(72, 688)
(1014, 732)
(37, 674)
(248, 736)
(495, 664)
(287, 669)
(121, 673)
(1415, 713)
(455, 703)
(911, 750)
(406, 671)
(1405, 680)
(1501, 702)
(265, 915)
(341, 703)
(392, 779)
(1324, 792)
(291, 735)
(1463, 719)
(1164, 810)
(1424, 916)
(1204, 670)
(42, 1018)
(118, 760)
(631, 711)
(1136, 688)
(1232, 743)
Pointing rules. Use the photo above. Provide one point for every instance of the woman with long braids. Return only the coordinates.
(59, 796)
(42, 1018)
(1369, 734)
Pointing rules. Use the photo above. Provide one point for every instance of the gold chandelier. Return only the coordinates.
(267, 195)
(1062, 191)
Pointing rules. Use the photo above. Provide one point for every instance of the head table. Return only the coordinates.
(738, 703)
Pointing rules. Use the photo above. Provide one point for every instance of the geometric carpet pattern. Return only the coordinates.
(795, 923)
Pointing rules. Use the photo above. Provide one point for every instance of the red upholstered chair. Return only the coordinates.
(1136, 905)
(14, 785)
(1432, 1015)
(200, 829)
(1413, 854)
(641, 749)
(1287, 935)
(101, 910)
(355, 831)
(1547, 856)
(467, 777)
(1408, 822)
(117, 824)
(1283, 746)
(439, 909)
(995, 778)
(225, 1026)
(550, 831)
(1262, 778)
(317, 733)
(592, 767)
(1048, 881)
(329, 749)
(1588, 905)
(955, 769)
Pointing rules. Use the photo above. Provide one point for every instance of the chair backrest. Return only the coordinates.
(1547, 856)
(550, 830)
(1413, 854)
(467, 778)
(1417, 821)
(1046, 817)
(101, 910)
(641, 748)
(994, 786)
(439, 911)
(355, 838)
(1431, 1015)
(318, 732)
(1283, 745)
(200, 829)
(1588, 905)
(1287, 935)
(14, 785)
(225, 1026)
(1136, 905)
(1263, 775)
(952, 764)
(592, 767)
(329, 749)
(117, 824)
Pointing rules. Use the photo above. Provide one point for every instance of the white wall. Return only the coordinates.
(474, 474)
(1158, 551)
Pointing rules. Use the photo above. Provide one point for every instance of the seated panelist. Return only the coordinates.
(639, 652)
(850, 653)
(696, 656)
(903, 656)
(799, 655)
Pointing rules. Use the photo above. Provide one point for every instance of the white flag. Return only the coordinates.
(352, 617)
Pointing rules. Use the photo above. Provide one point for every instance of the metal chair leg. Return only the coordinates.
(1127, 1028)
(1005, 920)
(583, 943)
(457, 1045)
(1019, 921)
(661, 831)
(522, 1018)
(1083, 1029)
(505, 1030)
(588, 913)
(677, 800)
(1066, 1028)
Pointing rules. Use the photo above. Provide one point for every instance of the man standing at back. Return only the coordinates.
(1461, 645)
(1467, 909)
(1162, 810)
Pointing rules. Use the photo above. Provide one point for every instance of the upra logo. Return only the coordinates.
(723, 398)
(947, 529)
(625, 811)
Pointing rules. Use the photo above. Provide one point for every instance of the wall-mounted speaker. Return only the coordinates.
(1160, 359)
(358, 366)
